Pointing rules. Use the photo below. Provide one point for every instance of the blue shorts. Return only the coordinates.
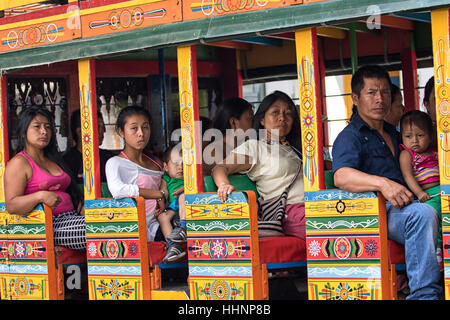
(174, 205)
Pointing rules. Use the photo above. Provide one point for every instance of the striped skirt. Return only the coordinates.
(69, 230)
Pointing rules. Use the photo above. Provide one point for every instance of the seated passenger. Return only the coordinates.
(74, 158)
(429, 100)
(232, 115)
(272, 161)
(133, 173)
(419, 163)
(36, 174)
(366, 158)
(173, 166)
(397, 108)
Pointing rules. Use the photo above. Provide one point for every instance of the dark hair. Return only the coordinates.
(364, 72)
(368, 71)
(230, 108)
(418, 118)
(294, 136)
(75, 123)
(128, 112)
(25, 118)
(395, 90)
(428, 88)
(51, 150)
(167, 155)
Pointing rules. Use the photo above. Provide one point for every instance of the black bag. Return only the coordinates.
(271, 213)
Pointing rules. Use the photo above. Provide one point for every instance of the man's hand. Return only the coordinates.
(396, 193)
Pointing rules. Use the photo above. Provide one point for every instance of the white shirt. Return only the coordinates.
(273, 166)
(121, 176)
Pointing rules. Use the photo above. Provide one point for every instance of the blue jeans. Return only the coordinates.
(416, 226)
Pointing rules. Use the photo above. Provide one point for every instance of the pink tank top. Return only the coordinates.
(148, 182)
(425, 168)
(41, 180)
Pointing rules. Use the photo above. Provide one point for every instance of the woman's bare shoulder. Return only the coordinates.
(18, 165)
(18, 160)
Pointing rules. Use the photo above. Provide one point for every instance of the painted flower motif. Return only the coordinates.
(314, 248)
(308, 120)
(371, 247)
(343, 291)
(133, 247)
(86, 138)
(92, 249)
(217, 249)
(20, 249)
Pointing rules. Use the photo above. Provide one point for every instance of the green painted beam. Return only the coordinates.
(211, 29)
(353, 50)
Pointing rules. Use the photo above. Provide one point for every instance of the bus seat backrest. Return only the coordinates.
(27, 258)
(222, 238)
(117, 251)
(240, 181)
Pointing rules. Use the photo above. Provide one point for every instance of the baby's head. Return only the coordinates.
(417, 131)
(173, 162)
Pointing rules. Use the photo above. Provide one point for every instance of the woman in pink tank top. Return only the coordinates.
(133, 174)
(33, 176)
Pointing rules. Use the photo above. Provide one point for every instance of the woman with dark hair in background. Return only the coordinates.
(36, 174)
(397, 107)
(272, 161)
(429, 100)
(74, 158)
(234, 117)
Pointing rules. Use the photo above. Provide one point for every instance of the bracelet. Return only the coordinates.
(219, 166)
(163, 195)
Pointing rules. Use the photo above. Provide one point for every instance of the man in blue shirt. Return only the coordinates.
(365, 158)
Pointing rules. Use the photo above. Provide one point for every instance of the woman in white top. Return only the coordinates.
(273, 160)
(133, 174)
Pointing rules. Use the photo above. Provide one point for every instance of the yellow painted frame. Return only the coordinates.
(440, 38)
(310, 108)
(88, 111)
(190, 124)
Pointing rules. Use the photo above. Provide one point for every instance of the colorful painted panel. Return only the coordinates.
(40, 32)
(310, 109)
(195, 9)
(114, 250)
(24, 248)
(220, 247)
(440, 38)
(345, 289)
(221, 289)
(4, 257)
(190, 124)
(128, 15)
(88, 113)
(343, 245)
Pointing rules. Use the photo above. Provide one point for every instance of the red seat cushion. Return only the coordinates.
(396, 252)
(68, 256)
(271, 250)
(281, 249)
(157, 251)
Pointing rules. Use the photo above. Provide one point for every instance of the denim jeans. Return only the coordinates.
(415, 226)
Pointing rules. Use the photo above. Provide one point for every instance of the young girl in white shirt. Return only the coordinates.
(133, 173)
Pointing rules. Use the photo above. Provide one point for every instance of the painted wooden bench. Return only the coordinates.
(349, 254)
(31, 267)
